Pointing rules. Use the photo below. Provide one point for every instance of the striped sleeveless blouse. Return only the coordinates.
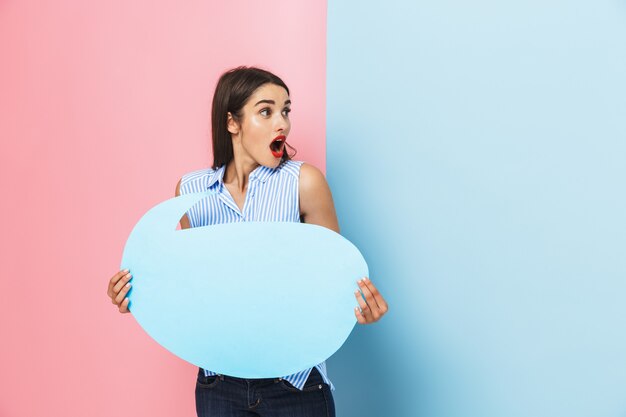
(272, 195)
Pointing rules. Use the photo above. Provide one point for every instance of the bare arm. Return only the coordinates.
(316, 201)
(184, 221)
(317, 207)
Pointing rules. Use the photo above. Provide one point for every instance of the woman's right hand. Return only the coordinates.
(119, 286)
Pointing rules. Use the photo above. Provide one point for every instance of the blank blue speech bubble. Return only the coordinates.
(252, 300)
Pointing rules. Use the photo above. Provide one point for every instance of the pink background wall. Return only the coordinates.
(102, 108)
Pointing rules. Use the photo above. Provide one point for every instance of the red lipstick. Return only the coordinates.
(278, 146)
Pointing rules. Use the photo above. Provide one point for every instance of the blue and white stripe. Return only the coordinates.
(272, 195)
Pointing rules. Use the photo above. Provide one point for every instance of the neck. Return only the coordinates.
(238, 171)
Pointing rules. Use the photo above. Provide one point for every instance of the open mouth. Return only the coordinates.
(278, 146)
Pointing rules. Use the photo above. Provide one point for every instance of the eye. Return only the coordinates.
(265, 112)
(286, 111)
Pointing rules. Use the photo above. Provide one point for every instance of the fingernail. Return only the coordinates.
(128, 285)
(126, 270)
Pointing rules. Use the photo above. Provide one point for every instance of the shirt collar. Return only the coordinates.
(216, 176)
(260, 173)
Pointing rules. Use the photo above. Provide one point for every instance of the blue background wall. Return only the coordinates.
(477, 156)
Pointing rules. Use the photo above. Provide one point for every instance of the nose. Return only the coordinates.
(281, 124)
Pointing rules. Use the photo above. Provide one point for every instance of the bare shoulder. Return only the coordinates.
(316, 200)
(311, 179)
(177, 193)
(184, 221)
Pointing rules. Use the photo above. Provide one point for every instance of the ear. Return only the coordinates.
(231, 124)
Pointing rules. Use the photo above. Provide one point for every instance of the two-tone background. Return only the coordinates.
(477, 156)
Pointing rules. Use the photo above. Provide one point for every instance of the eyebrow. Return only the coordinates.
(271, 102)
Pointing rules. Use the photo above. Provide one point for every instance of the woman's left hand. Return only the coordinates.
(373, 307)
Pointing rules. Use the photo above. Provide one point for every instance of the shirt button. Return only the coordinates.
(319, 386)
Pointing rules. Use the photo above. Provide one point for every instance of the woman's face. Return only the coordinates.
(264, 126)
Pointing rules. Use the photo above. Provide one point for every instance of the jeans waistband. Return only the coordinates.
(256, 381)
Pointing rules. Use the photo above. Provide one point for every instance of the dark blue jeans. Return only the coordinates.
(225, 396)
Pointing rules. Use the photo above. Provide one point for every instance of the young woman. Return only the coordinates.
(256, 180)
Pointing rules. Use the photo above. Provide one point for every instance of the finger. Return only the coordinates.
(124, 306)
(371, 302)
(382, 304)
(122, 293)
(114, 279)
(121, 283)
(365, 309)
(359, 316)
(118, 276)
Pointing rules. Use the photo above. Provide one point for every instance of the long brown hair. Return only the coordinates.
(233, 90)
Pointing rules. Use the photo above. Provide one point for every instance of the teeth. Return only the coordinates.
(277, 145)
